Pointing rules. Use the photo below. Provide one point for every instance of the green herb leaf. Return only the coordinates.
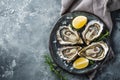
(91, 62)
(53, 66)
(103, 36)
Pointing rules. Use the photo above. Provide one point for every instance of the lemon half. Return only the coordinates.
(79, 21)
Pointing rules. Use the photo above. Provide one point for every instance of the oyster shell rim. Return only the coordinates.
(103, 44)
(87, 26)
(74, 56)
(62, 42)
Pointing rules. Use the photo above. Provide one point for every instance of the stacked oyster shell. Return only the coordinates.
(72, 42)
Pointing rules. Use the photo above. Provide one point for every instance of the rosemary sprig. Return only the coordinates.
(103, 36)
(53, 67)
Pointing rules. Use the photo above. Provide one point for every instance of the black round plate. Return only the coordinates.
(54, 44)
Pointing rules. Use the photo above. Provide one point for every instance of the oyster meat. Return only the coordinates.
(95, 51)
(66, 35)
(92, 31)
(69, 53)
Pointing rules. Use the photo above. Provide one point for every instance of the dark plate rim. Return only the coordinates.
(51, 52)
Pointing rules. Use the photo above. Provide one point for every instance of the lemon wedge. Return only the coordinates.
(79, 21)
(81, 63)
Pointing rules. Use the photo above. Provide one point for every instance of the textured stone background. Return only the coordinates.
(25, 26)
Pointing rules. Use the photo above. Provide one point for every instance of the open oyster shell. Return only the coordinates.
(66, 35)
(92, 31)
(95, 51)
(69, 53)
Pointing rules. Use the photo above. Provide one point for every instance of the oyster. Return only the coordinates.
(95, 51)
(92, 31)
(66, 35)
(69, 53)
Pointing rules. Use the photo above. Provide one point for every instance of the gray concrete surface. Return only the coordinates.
(25, 26)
